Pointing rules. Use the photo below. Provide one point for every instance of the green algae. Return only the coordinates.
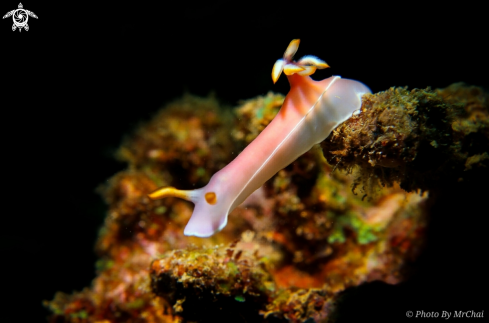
(79, 315)
(160, 209)
(104, 264)
(136, 304)
(364, 233)
(240, 298)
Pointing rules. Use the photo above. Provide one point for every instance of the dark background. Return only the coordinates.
(85, 75)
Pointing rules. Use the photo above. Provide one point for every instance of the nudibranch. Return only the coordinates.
(311, 110)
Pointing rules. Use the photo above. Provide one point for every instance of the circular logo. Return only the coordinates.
(20, 17)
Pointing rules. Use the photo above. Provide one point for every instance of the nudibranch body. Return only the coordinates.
(311, 110)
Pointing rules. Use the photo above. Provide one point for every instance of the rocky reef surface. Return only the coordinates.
(293, 249)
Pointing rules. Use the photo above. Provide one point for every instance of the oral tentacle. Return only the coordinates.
(190, 195)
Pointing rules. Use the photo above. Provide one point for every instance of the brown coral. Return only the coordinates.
(420, 138)
(213, 284)
(285, 254)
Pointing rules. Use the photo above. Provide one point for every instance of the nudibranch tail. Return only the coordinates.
(307, 65)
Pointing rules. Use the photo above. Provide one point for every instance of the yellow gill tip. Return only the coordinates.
(290, 69)
(278, 67)
(310, 60)
(291, 49)
(308, 70)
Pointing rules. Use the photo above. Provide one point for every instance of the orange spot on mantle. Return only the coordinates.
(211, 198)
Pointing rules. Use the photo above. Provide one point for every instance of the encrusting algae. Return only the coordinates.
(421, 139)
(295, 244)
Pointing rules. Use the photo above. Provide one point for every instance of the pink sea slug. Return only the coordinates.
(311, 110)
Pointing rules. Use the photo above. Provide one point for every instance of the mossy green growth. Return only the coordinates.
(201, 172)
(225, 288)
(270, 107)
(80, 315)
(364, 232)
(156, 178)
(259, 113)
(160, 209)
(270, 286)
(233, 269)
(57, 311)
(138, 303)
(104, 264)
(337, 235)
(282, 297)
(255, 114)
(421, 139)
(338, 198)
(216, 272)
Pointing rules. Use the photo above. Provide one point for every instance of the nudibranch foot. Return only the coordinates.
(311, 110)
